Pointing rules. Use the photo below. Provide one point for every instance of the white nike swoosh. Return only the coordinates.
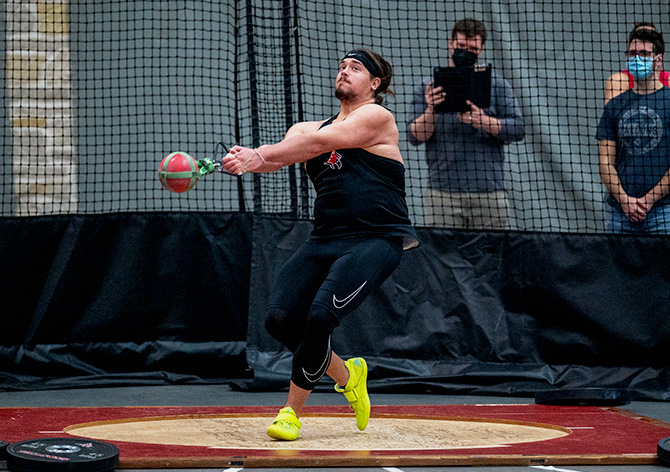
(345, 301)
(316, 376)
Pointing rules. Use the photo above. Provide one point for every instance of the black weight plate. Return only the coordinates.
(62, 455)
(3, 449)
(583, 397)
(663, 451)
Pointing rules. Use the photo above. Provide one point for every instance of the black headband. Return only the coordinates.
(365, 59)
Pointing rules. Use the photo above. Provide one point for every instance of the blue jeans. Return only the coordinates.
(656, 222)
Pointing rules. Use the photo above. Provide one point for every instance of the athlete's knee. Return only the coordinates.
(320, 323)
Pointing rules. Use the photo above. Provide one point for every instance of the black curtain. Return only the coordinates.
(180, 297)
(91, 297)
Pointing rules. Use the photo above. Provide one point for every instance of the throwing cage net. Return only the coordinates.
(98, 92)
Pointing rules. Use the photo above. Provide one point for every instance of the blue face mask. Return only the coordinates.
(640, 67)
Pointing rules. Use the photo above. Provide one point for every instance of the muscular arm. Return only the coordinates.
(295, 130)
(370, 127)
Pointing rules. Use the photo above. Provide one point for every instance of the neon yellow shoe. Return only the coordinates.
(286, 425)
(356, 390)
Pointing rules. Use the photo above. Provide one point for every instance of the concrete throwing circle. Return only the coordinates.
(325, 432)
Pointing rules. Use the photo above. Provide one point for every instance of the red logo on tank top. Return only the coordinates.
(334, 161)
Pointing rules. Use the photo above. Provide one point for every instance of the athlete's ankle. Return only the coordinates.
(296, 409)
(341, 374)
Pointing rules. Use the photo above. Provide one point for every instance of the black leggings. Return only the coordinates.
(317, 287)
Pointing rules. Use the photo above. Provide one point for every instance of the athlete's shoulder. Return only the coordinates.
(373, 110)
(375, 107)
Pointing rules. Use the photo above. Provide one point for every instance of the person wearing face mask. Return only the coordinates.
(634, 143)
(465, 151)
(621, 81)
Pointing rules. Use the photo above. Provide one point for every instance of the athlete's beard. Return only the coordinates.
(341, 94)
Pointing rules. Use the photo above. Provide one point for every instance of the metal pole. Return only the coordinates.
(304, 180)
(288, 98)
(240, 184)
(253, 92)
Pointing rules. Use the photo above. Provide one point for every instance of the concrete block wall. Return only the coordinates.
(38, 83)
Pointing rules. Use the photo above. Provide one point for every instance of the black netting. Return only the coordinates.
(98, 92)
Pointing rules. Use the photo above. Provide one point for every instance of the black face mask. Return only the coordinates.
(464, 58)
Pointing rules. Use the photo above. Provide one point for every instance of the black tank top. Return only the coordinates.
(359, 194)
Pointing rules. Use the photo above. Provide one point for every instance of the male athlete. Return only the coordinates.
(360, 230)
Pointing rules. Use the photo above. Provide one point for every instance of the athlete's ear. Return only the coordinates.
(376, 82)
